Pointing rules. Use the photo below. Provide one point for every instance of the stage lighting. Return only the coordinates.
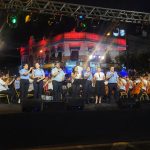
(41, 51)
(81, 17)
(27, 18)
(122, 32)
(83, 25)
(116, 32)
(90, 57)
(102, 57)
(108, 34)
(13, 19)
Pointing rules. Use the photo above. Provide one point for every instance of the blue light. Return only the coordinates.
(80, 17)
(122, 32)
(116, 32)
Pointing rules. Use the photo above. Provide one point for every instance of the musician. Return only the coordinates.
(24, 81)
(38, 76)
(88, 84)
(112, 78)
(80, 68)
(99, 77)
(4, 87)
(58, 77)
(76, 76)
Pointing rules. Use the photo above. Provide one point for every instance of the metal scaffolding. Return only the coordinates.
(68, 9)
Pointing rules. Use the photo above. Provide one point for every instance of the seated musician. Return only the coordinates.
(121, 85)
(48, 86)
(4, 86)
(137, 86)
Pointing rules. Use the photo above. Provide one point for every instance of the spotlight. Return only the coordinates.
(27, 18)
(12, 21)
(81, 17)
(83, 24)
(41, 51)
(116, 32)
(108, 34)
(122, 32)
(90, 57)
(102, 57)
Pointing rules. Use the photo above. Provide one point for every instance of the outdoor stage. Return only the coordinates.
(60, 128)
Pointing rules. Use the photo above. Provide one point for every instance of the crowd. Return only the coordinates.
(100, 86)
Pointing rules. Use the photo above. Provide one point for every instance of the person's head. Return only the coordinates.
(112, 69)
(57, 64)
(98, 69)
(37, 65)
(26, 66)
(88, 69)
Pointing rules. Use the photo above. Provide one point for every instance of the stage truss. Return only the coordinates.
(68, 9)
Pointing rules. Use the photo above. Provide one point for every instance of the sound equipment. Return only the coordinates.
(52, 106)
(31, 105)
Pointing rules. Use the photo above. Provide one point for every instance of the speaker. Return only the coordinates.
(31, 105)
(75, 103)
(52, 106)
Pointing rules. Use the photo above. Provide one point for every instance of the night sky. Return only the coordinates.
(11, 39)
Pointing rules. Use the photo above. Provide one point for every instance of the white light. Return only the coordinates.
(122, 32)
(102, 58)
(99, 56)
(90, 57)
(94, 56)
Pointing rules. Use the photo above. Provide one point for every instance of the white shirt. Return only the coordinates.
(145, 82)
(3, 87)
(50, 86)
(80, 69)
(99, 76)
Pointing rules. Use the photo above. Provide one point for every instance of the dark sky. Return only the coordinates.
(14, 38)
(136, 5)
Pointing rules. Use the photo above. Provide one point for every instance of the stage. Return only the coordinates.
(71, 127)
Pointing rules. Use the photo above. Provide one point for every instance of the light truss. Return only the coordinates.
(68, 9)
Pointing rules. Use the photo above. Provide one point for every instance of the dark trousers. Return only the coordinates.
(112, 87)
(24, 86)
(38, 89)
(87, 90)
(76, 88)
(57, 90)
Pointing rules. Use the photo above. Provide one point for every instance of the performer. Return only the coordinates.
(88, 84)
(99, 77)
(24, 81)
(4, 89)
(112, 78)
(80, 68)
(38, 76)
(76, 76)
(58, 77)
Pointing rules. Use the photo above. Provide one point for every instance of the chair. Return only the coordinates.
(5, 96)
(123, 94)
(30, 94)
(144, 96)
